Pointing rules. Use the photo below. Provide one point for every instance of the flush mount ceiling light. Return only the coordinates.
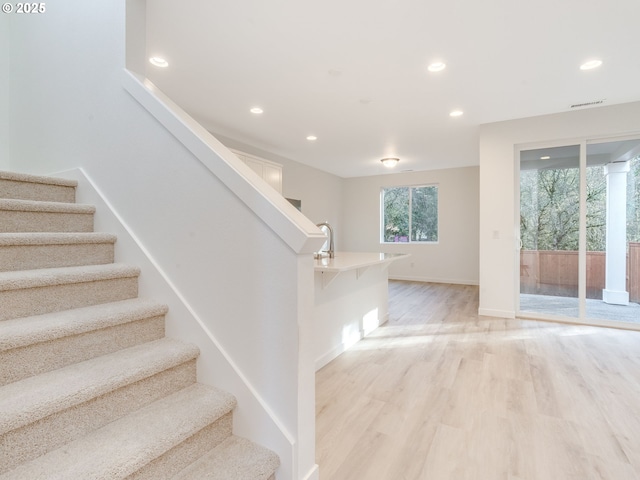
(390, 162)
(546, 157)
(158, 62)
(437, 67)
(256, 110)
(591, 64)
(456, 113)
(311, 138)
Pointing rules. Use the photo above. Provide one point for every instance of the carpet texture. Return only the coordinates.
(90, 387)
(25, 251)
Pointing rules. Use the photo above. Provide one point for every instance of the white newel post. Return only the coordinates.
(615, 291)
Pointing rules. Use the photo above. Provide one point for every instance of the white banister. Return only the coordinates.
(293, 227)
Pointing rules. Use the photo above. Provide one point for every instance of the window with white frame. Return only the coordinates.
(409, 214)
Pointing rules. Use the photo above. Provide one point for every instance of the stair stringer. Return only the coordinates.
(255, 420)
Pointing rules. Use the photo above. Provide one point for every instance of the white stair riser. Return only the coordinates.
(36, 191)
(20, 221)
(39, 300)
(34, 359)
(179, 457)
(30, 257)
(35, 439)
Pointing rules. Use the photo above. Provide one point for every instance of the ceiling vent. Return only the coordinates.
(587, 104)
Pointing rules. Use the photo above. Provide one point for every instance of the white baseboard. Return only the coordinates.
(314, 474)
(488, 312)
(433, 280)
(322, 360)
(339, 349)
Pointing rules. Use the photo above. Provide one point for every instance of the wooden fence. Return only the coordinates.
(555, 272)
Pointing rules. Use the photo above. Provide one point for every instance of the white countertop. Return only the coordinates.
(343, 261)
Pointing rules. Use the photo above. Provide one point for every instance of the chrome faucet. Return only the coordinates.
(328, 227)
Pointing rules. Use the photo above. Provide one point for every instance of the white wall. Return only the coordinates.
(347, 307)
(4, 92)
(498, 223)
(320, 192)
(352, 206)
(454, 259)
(65, 96)
(69, 109)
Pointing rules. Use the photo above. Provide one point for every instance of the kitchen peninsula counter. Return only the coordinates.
(351, 300)
(343, 261)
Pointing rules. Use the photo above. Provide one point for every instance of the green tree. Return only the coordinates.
(424, 214)
(410, 214)
(549, 207)
(395, 213)
(596, 209)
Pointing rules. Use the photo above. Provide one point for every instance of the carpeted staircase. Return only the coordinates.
(90, 388)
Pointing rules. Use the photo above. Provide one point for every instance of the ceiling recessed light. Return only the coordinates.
(546, 157)
(158, 62)
(390, 162)
(312, 137)
(437, 67)
(591, 64)
(456, 113)
(256, 110)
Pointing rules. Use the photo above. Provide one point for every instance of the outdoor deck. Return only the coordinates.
(568, 307)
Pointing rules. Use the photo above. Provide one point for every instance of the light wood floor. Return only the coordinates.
(439, 393)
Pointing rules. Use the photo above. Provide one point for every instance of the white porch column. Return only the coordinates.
(615, 291)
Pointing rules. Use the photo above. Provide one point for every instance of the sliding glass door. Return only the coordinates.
(579, 251)
(613, 231)
(549, 230)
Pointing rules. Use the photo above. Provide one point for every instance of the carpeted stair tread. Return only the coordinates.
(45, 207)
(16, 280)
(126, 445)
(234, 459)
(37, 250)
(92, 387)
(56, 238)
(33, 187)
(37, 397)
(29, 178)
(25, 331)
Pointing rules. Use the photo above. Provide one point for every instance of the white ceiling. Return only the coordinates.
(354, 72)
